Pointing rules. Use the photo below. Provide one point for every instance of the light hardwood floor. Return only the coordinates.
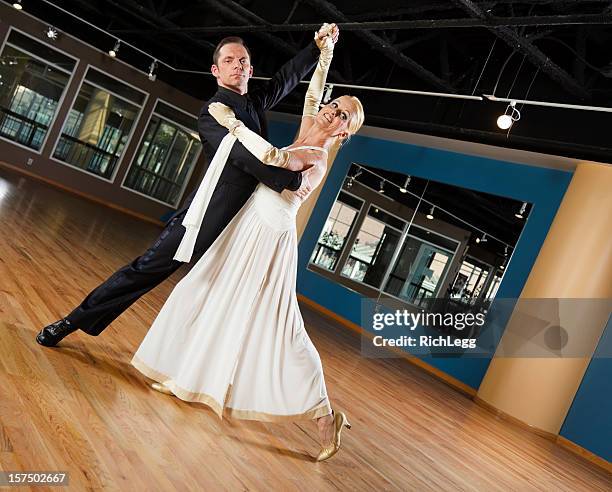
(82, 408)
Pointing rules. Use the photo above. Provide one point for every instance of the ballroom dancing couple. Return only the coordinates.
(230, 334)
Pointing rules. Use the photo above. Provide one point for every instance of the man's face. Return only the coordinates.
(234, 68)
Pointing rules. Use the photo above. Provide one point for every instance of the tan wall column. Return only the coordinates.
(575, 262)
(307, 207)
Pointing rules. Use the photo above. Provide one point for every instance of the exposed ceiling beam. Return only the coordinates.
(533, 53)
(197, 61)
(152, 18)
(486, 22)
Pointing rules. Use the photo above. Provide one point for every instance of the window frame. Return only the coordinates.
(342, 190)
(60, 102)
(137, 119)
(140, 141)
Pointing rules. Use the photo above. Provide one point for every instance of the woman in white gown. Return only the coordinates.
(231, 334)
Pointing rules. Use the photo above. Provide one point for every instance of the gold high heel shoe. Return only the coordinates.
(340, 421)
(162, 388)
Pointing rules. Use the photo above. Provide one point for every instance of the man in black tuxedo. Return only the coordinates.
(232, 69)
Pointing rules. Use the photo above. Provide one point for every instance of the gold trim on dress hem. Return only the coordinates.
(191, 396)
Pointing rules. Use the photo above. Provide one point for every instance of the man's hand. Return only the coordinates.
(224, 115)
(303, 191)
(331, 31)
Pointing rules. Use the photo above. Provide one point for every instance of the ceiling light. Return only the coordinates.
(482, 239)
(430, 214)
(521, 212)
(115, 49)
(404, 189)
(152, 74)
(382, 186)
(511, 115)
(506, 251)
(51, 33)
(349, 182)
(17, 4)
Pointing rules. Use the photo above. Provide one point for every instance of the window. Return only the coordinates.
(421, 266)
(470, 281)
(33, 77)
(167, 155)
(373, 247)
(337, 228)
(99, 124)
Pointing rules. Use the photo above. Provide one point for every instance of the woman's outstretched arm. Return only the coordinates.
(314, 94)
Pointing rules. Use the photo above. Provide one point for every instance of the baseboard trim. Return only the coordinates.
(585, 453)
(81, 194)
(509, 418)
(437, 373)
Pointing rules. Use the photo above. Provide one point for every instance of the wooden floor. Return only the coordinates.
(82, 408)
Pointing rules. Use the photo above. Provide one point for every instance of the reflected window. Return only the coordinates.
(337, 229)
(421, 266)
(99, 124)
(167, 155)
(373, 247)
(33, 77)
(471, 279)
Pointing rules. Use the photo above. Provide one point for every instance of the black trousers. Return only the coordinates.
(107, 301)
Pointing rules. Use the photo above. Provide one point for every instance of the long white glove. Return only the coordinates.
(255, 144)
(314, 94)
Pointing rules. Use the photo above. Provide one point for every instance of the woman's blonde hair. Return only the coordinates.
(355, 124)
(357, 117)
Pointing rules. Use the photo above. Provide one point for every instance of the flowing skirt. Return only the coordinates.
(231, 334)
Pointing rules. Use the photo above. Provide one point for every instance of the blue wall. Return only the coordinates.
(589, 420)
(542, 187)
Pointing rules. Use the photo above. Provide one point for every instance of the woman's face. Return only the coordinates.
(335, 116)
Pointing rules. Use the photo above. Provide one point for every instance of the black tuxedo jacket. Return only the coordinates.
(243, 171)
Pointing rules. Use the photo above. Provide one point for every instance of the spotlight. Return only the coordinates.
(152, 74)
(511, 115)
(349, 182)
(17, 5)
(51, 33)
(327, 94)
(113, 52)
(430, 214)
(482, 239)
(520, 213)
(382, 186)
(506, 251)
(404, 189)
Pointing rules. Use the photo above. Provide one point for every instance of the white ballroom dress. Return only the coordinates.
(231, 334)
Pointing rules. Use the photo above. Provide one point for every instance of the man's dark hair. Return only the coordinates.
(228, 40)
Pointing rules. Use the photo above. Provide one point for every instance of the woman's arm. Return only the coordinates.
(314, 94)
(254, 143)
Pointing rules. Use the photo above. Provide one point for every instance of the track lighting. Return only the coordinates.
(17, 5)
(51, 33)
(521, 212)
(113, 52)
(382, 186)
(404, 189)
(506, 251)
(430, 215)
(152, 68)
(482, 239)
(349, 182)
(510, 116)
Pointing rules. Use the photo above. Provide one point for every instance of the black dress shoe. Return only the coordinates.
(50, 335)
